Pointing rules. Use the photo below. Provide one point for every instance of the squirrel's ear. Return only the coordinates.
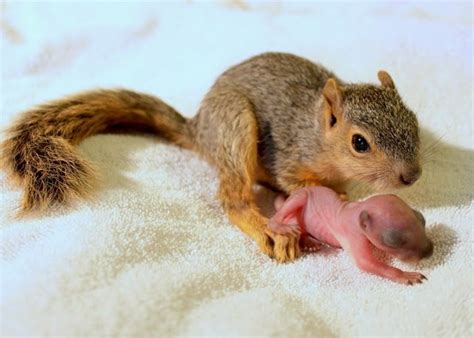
(385, 79)
(333, 95)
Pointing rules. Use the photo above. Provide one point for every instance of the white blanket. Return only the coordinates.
(153, 254)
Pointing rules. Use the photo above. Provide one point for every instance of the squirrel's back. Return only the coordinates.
(276, 82)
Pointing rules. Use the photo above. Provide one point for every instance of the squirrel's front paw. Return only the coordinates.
(285, 247)
(285, 229)
(410, 278)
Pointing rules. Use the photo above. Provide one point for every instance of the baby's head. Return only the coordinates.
(393, 227)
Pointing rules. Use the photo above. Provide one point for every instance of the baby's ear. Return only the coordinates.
(364, 220)
(386, 79)
(333, 95)
(420, 217)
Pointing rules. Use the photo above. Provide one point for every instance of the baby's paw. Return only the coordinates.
(410, 278)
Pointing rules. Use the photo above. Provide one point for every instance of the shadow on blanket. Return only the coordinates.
(448, 175)
(444, 240)
(447, 178)
(113, 157)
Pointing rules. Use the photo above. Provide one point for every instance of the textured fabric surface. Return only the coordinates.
(153, 252)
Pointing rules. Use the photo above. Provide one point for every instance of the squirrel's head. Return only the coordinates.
(373, 134)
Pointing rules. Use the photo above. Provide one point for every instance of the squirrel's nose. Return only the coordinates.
(410, 177)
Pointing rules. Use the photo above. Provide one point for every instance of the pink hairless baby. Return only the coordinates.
(383, 221)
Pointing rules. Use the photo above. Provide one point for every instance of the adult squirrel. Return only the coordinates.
(276, 118)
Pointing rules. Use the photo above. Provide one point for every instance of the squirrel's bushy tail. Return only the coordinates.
(39, 153)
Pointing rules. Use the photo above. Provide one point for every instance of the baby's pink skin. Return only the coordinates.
(383, 221)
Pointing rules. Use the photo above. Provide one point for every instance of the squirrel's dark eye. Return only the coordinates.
(360, 144)
(333, 120)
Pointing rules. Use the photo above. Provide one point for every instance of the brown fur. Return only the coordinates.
(276, 118)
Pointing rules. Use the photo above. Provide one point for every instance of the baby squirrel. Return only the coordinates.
(384, 222)
(276, 119)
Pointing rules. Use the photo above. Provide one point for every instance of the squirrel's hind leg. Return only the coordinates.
(235, 154)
